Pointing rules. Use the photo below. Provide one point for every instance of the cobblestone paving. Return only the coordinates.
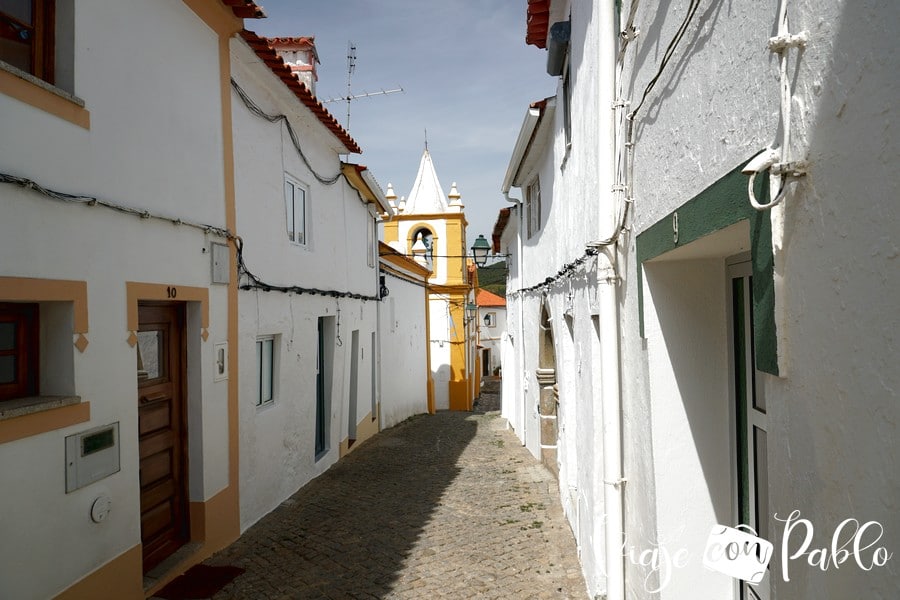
(440, 506)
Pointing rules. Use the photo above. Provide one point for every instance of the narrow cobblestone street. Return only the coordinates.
(447, 505)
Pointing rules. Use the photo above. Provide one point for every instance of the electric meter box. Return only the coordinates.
(91, 455)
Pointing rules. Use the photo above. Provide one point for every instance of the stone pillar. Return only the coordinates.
(549, 402)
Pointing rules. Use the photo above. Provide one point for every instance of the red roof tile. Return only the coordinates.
(499, 226)
(486, 298)
(263, 49)
(245, 9)
(538, 20)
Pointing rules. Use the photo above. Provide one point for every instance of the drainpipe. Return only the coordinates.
(608, 282)
(520, 349)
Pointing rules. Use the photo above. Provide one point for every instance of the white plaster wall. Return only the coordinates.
(278, 440)
(492, 337)
(403, 359)
(337, 219)
(833, 426)
(686, 329)
(151, 147)
(833, 410)
(439, 315)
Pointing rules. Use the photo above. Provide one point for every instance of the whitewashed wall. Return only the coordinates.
(278, 440)
(832, 414)
(404, 365)
(150, 147)
(492, 337)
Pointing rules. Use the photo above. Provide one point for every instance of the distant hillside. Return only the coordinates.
(493, 278)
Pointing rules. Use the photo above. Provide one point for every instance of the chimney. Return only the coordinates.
(300, 55)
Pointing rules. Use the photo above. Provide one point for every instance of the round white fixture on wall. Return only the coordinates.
(100, 508)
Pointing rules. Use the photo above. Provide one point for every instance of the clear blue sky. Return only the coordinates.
(468, 79)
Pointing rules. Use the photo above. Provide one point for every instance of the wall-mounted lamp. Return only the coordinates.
(471, 309)
(480, 250)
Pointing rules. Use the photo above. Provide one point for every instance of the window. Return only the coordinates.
(490, 319)
(370, 239)
(533, 207)
(295, 210)
(27, 34)
(265, 369)
(19, 357)
(567, 106)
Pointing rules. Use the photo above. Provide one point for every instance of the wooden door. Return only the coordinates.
(162, 427)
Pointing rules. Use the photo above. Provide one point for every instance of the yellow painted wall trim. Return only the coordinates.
(365, 429)
(136, 291)
(210, 527)
(42, 99)
(51, 419)
(217, 16)
(26, 289)
(119, 578)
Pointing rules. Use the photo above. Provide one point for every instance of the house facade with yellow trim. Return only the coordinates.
(118, 298)
(431, 227)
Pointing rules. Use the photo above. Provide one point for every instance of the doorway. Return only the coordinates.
(354, 387)
(162, 430)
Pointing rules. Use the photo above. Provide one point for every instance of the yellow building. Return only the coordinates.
(431, 227)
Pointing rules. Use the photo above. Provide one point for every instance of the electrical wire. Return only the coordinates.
(255, 282)
(95, 201)
(667, 55)
(564, 273)
(256, 110)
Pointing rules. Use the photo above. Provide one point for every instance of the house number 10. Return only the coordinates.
(171, 292)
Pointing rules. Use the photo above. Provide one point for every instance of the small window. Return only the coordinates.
(265, 369)
(533, 207)
(370, 239)
(19, 356)
(490, 319)
(567, 106)
(27, 34)
(295, 211)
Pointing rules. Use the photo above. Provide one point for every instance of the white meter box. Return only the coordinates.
(91, 455)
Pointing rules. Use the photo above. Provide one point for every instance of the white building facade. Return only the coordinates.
(309, 282)
(690, 360)
(118, 447)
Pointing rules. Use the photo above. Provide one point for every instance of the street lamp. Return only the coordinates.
(480, 250)
(470, 310)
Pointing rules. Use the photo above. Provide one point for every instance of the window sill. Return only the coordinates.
(26, 417)
(46, 97)
(20, 407)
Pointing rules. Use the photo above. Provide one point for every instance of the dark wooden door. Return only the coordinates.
(162, 427)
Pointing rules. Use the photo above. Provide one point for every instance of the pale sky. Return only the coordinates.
(468, 79)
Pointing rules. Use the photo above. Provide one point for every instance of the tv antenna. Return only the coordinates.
(350, 96)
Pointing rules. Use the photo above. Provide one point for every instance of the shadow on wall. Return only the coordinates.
(349, 531)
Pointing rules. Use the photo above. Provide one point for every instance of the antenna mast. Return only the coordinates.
(350, 97)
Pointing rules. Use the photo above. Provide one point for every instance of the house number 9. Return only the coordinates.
(171, 292)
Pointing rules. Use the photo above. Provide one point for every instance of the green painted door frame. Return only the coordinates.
(722, 204)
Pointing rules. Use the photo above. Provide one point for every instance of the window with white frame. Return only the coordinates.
(265, 369)
(533, 207)
(295, 207)
(370, 240)
(490, 319)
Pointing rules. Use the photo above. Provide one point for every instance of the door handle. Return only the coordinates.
(153, 397)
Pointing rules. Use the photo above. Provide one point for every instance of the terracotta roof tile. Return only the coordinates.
(245, 9)
(263, 49)
(538, 23)
(499, 226)
(486, 298)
